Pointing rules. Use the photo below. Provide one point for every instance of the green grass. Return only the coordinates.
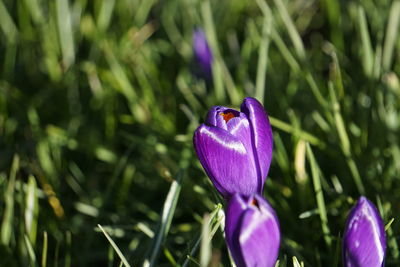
(98, 104)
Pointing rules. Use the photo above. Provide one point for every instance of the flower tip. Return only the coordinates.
(364, 240)
(365, 203)
(252, 231)
(362, 199)
(201, 49)
(198, 130)
(198, 34)
(248, 101)
(249, 98)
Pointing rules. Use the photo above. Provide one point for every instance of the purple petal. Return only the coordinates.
(234, 212)
(202, 51)
(252, 231)
(235, 123)
(240, 128)
(263, 205)
(261, 136)
(215, 118)
(259, 239)
(225, 160)
(364, 240)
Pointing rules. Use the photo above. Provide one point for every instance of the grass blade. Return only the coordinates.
(319, 195)
(117, 250)
(31, 210)
(205, 247)
(65, 32)
(7, 223)
(68, 243)
(213, 214)
(391, 35)
(337, 254)
(293, 33)
(213, 42)
(390, 236)
(345, 141)
(221, 69)
(166, 219)
(263, 58)
(281, 125)
(368, 55)
(332, 10)
(105, 14)
(44, 250)
(296, 263)
(123, 84)
(392, 242)
(31, 252)
(35, 10)
(7, 24)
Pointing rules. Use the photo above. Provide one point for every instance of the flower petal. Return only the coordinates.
(261, 135)
(364, 240)
(252, 231)
(238, 125)
(260, 234)
(234, 212)
(215, 116)
(225, 160)
(202, 51)
(240, 128)
(259, 238)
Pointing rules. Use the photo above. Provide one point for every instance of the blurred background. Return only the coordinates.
(99, 101)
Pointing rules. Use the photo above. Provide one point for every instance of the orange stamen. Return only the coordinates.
(254, 202)
(227, 116)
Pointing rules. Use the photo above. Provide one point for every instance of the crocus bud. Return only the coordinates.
(252, 231)
(364, 240)
(202, 53)
(235, 148)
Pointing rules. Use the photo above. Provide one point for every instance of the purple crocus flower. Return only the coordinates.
(235, 148)
(252, 231)
(364, 240)
(202, 53)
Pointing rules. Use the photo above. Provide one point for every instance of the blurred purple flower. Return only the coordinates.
(235, 148)
(364, 240)
(202, 53)
(252, 231)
